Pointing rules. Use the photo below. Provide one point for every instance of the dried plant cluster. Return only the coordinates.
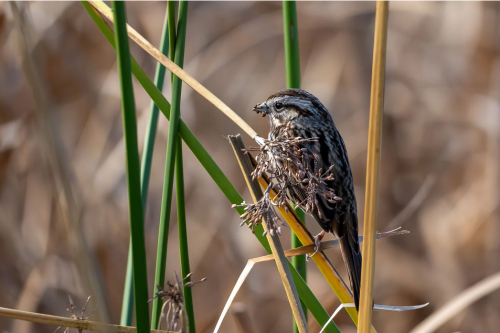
(173, 297)
(291, 166)
(254, 213)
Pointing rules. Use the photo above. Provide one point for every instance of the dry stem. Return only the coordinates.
(68, 322)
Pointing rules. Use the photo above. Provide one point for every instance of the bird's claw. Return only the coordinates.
(317, 245)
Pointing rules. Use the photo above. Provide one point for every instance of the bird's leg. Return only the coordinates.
(317, 243)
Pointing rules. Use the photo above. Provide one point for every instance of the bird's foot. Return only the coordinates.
(317, 244)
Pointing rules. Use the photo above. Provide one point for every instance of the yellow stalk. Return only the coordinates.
(102, 8)
(373, 166)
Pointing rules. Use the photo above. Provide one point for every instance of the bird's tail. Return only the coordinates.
(352, 255)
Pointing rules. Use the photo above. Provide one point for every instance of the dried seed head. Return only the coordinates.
(289, 163)
(172, 296)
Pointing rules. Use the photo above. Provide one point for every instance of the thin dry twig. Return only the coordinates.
(236, 288)
(327, 245)
(375, 307)
(68, 322)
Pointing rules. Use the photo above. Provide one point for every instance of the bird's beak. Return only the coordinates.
(261, 108)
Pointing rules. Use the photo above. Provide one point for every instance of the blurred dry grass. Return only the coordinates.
(442, 121)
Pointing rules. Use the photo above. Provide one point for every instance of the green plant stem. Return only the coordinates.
(170, 160)
(179, 186)
(291, 34)
(133, 169)
(128, 291)
(147, 158)
(183, 239)
(292, 62)
(214, 171)
(172, 36)
(179, 171)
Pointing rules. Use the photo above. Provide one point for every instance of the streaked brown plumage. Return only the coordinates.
(308, 118)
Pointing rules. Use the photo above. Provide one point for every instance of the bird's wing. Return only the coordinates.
(324, 212)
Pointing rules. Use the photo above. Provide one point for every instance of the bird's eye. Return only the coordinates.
(279, 106)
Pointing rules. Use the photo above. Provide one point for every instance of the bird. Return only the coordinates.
(302, 115)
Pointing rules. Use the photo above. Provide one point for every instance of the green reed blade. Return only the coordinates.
(147, 157)
(177, 53)
(172, 145)
(171, 32)
(133, 169)
(291, 34)
(128, 292)
(183, 241)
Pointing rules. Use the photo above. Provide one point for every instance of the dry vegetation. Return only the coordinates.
(440, 140)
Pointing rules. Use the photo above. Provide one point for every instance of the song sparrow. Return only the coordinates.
(303, 115)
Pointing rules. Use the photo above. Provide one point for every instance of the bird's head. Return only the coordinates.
(287, 106)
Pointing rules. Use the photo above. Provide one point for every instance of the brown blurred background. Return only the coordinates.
(63, 191)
